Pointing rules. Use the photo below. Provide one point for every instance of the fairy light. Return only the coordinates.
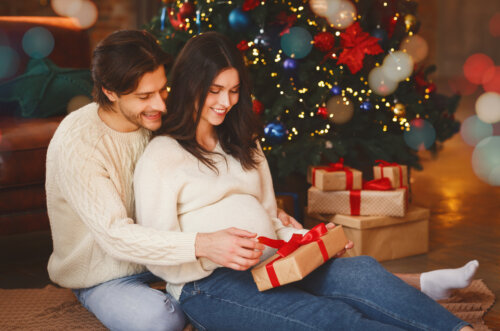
(301, 115)
(311, 114)
(321, 84)
(318, 68)
(385, 128)
(274, 74)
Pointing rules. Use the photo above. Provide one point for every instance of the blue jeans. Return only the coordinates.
(343, 294)
(129, 303)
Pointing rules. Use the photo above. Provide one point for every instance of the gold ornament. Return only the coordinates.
(410, 22)
(399, 110)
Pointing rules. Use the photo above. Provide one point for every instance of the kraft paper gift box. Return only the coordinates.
(363, 202)
(397, 174)
(278, 270)
(331, 178)
(383, 237)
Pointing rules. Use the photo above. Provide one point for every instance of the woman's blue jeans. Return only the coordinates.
(129, 303)
(343, 294)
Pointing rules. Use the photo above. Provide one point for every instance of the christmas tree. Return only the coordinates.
(331, 78)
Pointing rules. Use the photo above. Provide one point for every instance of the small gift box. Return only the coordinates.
(383, 237)
(335, 177)
(397, 174)
(376, 198)
(296, 258)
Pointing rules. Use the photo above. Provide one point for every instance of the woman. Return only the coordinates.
(204, 172)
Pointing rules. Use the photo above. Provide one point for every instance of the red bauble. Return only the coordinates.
(323, 112)
(243, 46)
(324, 41)
(187, 10)
(258, 107)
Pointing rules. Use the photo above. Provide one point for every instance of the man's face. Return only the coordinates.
(145, 106)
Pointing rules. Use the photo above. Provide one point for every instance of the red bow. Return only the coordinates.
(337, 166)
(356, 44)
(381, 184)
(288, 21)
(383, 163)
(287, 248)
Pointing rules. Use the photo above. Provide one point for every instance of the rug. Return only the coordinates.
(53, 308)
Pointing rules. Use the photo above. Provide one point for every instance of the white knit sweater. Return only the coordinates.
(90, 203)
(176, 192)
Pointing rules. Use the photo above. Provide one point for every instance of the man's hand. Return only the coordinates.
(288, 220)
(349, 244)
(232, 248)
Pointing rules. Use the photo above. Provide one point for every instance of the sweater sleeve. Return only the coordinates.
(85, 182)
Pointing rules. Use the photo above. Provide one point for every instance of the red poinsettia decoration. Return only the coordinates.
(243, 46)
(250, 4)
(357, 44)
(323, 112)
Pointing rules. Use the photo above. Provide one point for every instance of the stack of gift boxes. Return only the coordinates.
(375, 215)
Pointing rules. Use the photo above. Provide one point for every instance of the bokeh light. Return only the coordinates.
(379, 83)
(421, 135)
(397, 66)
(486, 160)
(319, 7)
(9, 62)
(66, 7)
(473, 130)
(491, 80)
(340, 109)
(462, 86)
(77, 102)
(344, 16)
(416, 47)
(495, 25)
(296, 43)
(87, 15)
(488, 107)
(475, 66)
(38, 42)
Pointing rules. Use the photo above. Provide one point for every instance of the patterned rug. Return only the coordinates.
(53, 308)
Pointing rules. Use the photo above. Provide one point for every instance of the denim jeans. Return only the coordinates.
(343, 294)
(129, 303)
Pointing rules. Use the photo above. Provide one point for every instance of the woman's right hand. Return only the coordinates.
(232, 248)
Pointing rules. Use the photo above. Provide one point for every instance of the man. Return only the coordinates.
(99, 251)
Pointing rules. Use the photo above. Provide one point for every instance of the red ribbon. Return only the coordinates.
(287, 248)
(381, 184)
(382, 164)
(338, 166)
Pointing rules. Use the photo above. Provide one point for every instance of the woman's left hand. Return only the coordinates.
(349, 244)
(288, 220)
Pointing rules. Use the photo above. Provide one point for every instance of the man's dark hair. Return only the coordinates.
(121, 59)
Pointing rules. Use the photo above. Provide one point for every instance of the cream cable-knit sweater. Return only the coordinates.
(176, 192)
(90, 203)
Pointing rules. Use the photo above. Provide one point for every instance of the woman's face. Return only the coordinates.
(222, 95)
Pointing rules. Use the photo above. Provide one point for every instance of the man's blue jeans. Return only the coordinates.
(129, 303)
(344, 294)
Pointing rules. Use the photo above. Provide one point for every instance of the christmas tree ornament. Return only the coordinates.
(366, 106)
(318, 7)
(397, 66)
(344, 16)
(336, 90)
(416, 47)
(323, 112)
(473, 130)
(250, 4)
(488, 107)
(486, 160)
(410, 22)
(296, 43)
(324, 41)
(243, 46)
(421, 135)
(340, 109)
(356, 44)
(290, 64)
(239, 20)
(379, 83)
(275, 132)
(258, 107)
(187, 10)
(399, 110)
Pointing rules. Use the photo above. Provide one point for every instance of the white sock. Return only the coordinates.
(439, 283)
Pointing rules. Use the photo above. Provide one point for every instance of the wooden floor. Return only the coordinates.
(465, 225)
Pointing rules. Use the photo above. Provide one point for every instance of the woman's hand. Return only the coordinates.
(349, 244)
(288, 220)
(232, 248)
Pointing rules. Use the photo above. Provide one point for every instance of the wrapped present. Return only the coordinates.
(396, 173)
(383, 237)
(335, 177)
(298, 257)
(376, 198)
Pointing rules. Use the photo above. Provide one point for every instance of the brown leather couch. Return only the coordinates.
(23, 142)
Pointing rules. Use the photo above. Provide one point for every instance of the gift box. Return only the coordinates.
(397, 174)
(298, 257)
(383, 237)
(360, 202)
(334, 178)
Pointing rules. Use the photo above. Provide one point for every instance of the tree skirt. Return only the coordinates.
(53, 308)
